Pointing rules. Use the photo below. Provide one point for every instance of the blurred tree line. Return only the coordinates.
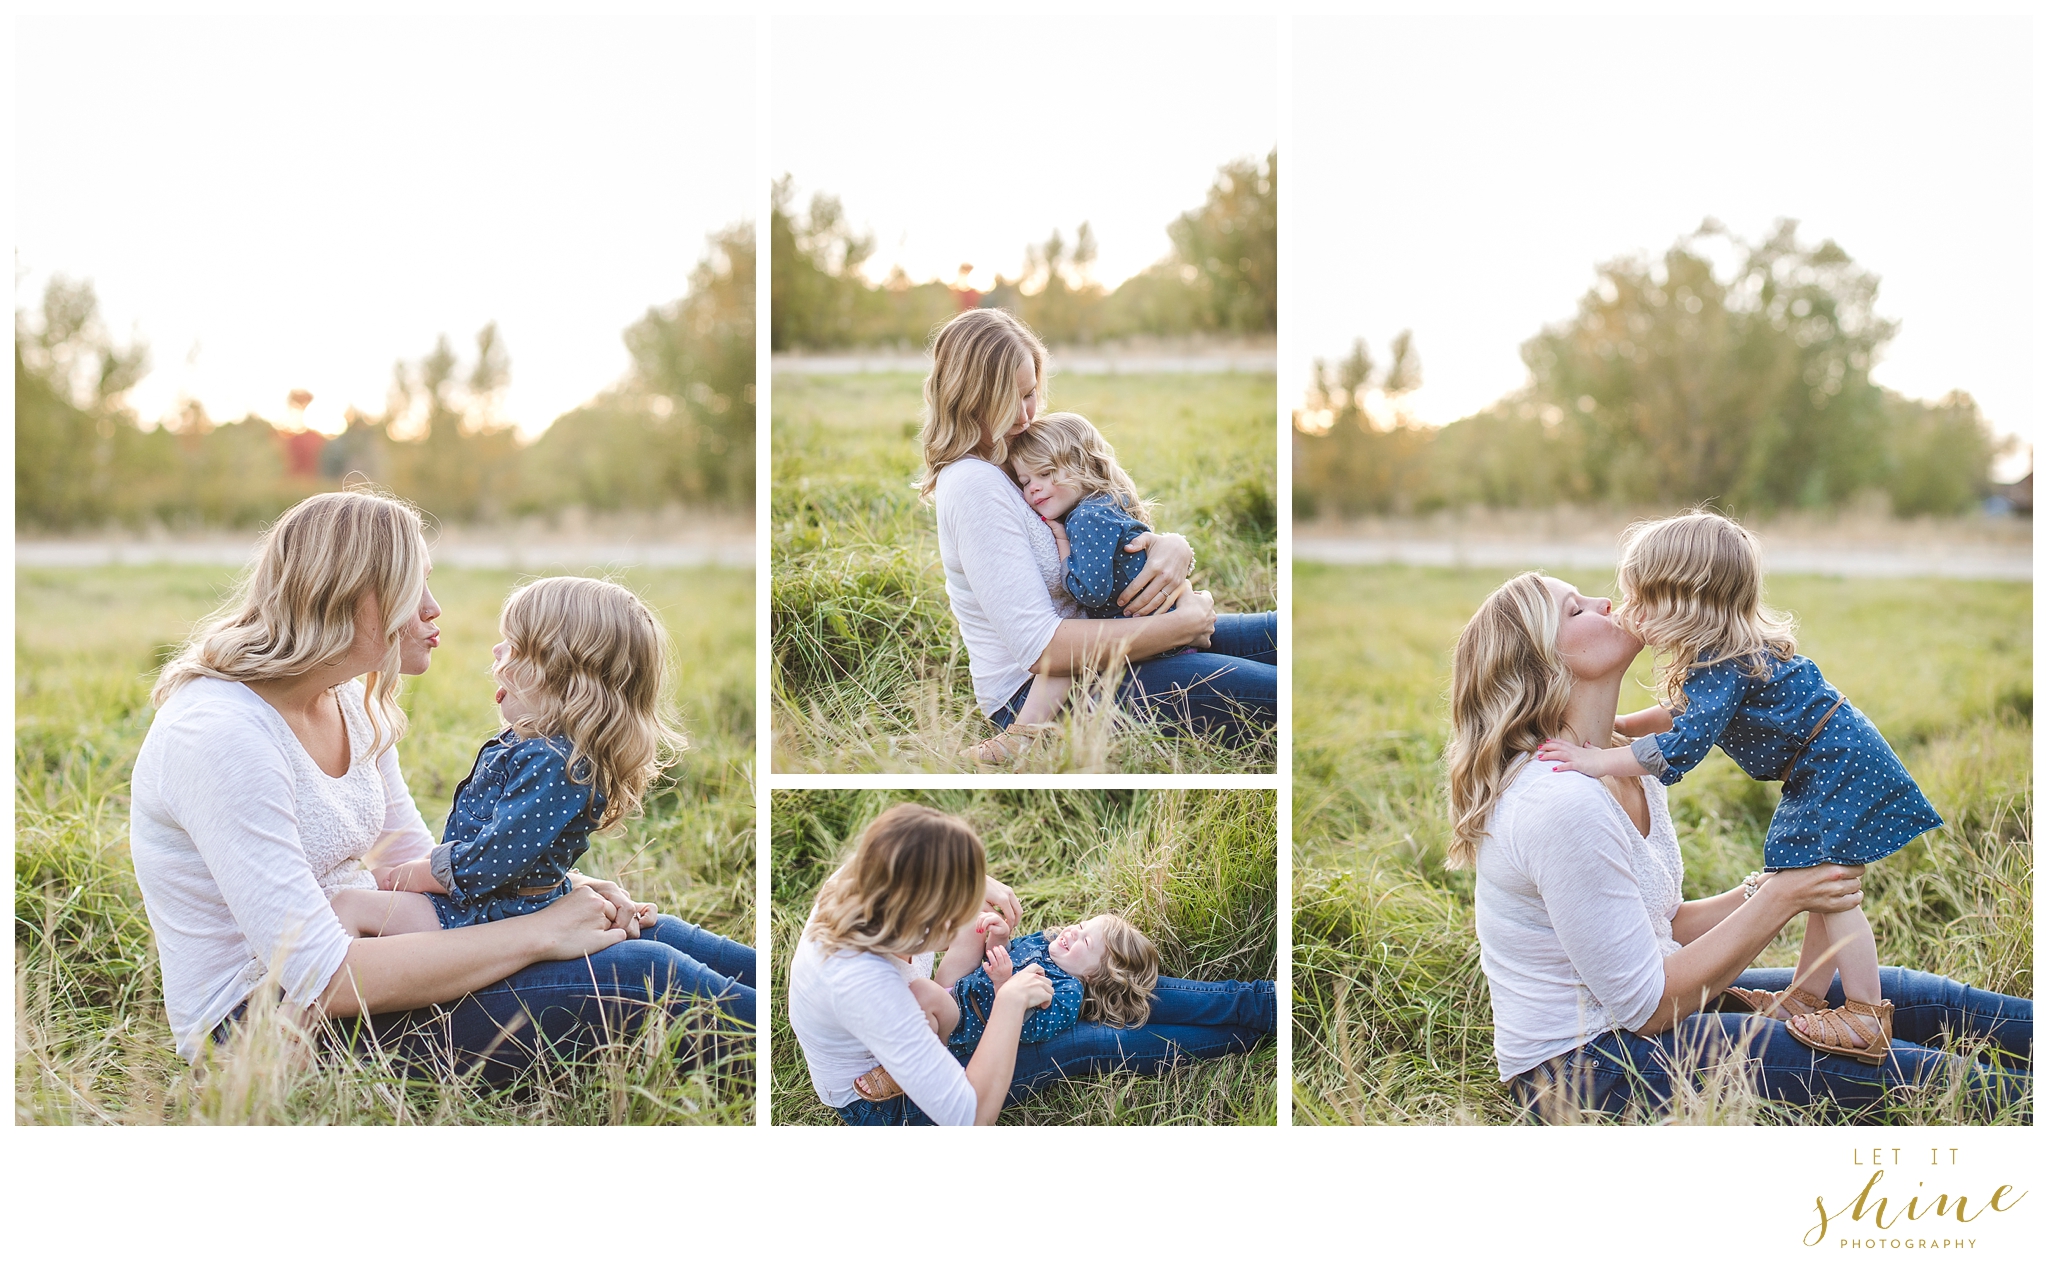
(678, 429)
(1221, 278)
(1669, 386)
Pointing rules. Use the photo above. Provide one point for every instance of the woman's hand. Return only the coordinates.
(1168, 561)
(1198, 608)
(1028, 990)
(579, 924)
(628, 914)
(1823, 889)
(997, 896)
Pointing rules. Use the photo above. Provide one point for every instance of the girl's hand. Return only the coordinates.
(629, 915)
(997, 963)
(998, 897)
(1028, 990)
(1593, 762)
(1059, 537)
(577, 925)
(1168, 562)
(1198, 608)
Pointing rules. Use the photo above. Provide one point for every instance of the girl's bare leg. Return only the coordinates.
(368, 912)
(1816, 959)
(1850, 949)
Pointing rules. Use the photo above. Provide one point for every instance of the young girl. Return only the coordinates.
(580, 676)
(1102, 970)
(1691, 588)
(1070, 477)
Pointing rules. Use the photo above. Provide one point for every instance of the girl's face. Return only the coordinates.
(1078, 949)
(511, 704)
(1042, 488)
(1027, 406)
(1592, 643)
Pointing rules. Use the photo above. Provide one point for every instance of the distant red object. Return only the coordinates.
(967, 298)
(302, 452)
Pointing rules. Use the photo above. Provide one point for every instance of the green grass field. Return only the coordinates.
(1194, 870)
(92, 1044)
(869, 672)
(1392, 1021)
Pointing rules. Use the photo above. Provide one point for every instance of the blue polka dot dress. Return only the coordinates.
(517, 826)
(1847, 800)
(976, 994)
(1098, 567)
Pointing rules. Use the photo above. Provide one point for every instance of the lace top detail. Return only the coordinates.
(339, 818)
(1659, 870)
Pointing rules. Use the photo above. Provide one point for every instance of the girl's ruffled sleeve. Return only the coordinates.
(1712, 696)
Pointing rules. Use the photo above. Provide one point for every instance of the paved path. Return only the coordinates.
(737, 551)
(1226, 361)
(1959, 561)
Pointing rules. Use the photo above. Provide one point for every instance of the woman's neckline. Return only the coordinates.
(348, 733)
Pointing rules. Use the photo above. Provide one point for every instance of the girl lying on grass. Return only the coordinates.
(1102, 970)
(579, 676)
(1069, 475)
(1691, 588)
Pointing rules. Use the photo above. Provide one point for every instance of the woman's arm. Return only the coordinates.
(995, 1060)
(398, 973)
(1078, 645)
(1711, 962)
(1693, 918)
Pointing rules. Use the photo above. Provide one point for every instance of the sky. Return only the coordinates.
(296, 204)
(964, 140)
(1463, 178)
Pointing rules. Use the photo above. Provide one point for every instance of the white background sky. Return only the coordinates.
(963, 140)
(1463, 177)
(307, 201)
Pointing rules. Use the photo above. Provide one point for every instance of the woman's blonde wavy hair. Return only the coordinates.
(1120, 992)
(593, 662)
(1509, 692)
(1069, 448)
(294, 609)
(972, 388)
(1692, 589)
(916, 877)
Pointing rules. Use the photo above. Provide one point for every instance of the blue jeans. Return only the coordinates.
(567, 1007)
(1232, 689)
(1191, 1019)
(1617, 1069)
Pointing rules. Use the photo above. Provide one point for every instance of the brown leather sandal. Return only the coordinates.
(1780, 1005)
(1835, 1029)
(1010, 745)
(877, 1086)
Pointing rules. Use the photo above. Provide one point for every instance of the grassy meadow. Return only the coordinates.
(869, 671)
(1194, 870)
(91, 1041)
(1392, 1020)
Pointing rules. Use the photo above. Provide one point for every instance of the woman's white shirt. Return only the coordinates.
(239, 839)
(1003, 577)
(852, 1010)
(1574, 909)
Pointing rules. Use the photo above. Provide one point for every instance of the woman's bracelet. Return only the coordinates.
(1751, 882)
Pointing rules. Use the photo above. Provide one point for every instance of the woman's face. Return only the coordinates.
(1027, 407)
(419, 637)
(1591, 642)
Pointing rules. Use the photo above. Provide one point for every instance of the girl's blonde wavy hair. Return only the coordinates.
(1509, 692)
(916, 877)
(294, 609)
(593, 662)
(1120, 992)
(1069, 448)
(1692, 589)
(973, 385)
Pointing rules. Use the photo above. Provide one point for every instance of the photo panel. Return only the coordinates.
(1027, 957)
(1662, 558)
(969, 299)
(307, 310)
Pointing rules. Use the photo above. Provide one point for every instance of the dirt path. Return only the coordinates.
(1967, 562)
(508, 555)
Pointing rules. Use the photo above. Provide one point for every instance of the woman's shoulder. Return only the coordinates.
(210, 705)
(1541, 794)
(969, 474)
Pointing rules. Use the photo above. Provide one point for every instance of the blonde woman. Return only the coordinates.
(1004, 574)
(270, 772)
(917, 878)
(1605, 982)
